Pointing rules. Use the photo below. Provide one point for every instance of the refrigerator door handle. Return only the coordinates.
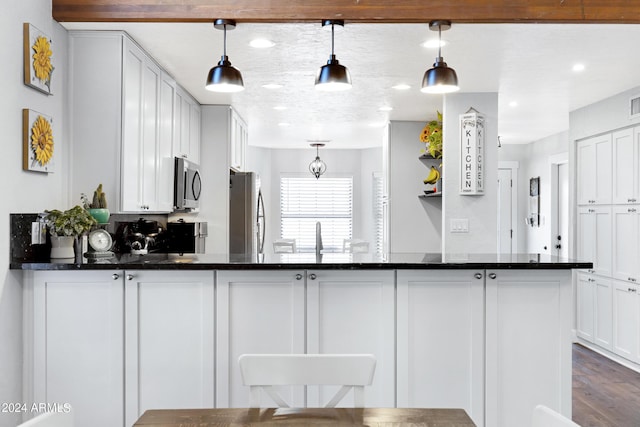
(262, 222)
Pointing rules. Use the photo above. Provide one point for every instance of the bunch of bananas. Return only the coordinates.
(434, 176)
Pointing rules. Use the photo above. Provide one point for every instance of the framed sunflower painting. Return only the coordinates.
(38, 62)
(37, 148)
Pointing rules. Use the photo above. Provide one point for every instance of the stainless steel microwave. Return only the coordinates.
(187, 185)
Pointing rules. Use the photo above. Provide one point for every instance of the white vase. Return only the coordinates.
(62, 247)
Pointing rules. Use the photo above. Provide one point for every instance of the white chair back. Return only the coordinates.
(263, 371)
(546, 417)
(51, 419)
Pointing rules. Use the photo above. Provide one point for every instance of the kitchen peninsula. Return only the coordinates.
(119, 336)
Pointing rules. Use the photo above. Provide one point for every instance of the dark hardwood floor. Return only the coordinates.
(605, 394)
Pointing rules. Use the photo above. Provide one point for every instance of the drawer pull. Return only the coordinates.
(631, 210)
(312, 276)
(298, 276)
(130, 276)
(115, 276)
(478, 275)
(492, 275)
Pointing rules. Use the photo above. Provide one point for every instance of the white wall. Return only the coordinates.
(25, 191)
(518, 153)
(481, 211)
(414, 224)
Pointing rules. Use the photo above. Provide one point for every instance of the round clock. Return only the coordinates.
(100, 240)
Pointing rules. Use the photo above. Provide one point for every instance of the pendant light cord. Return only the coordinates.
(225, 41)
(439, 41)
(332, 52)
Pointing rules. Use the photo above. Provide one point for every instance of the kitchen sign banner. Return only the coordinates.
(471, 153)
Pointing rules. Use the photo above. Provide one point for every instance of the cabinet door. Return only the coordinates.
(603, 322)
(194, 132)
(238, 142)
(440, 329)
(626, 320)
(585, 304)
(594, 237)
(594, 170)
(75, 321)
(132, 123)
(169, 340)
(538, 307)
(625, 243)
(256, 312)
(625, 166)
(353, 312)
(166, 133)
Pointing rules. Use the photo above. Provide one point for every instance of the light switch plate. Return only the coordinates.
(459, 225)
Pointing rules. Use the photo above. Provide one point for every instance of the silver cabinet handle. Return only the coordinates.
(631, 210)
(130, 276)
(478, 275)
(115, 276)
(492, 275)
(312, 276)
(298, 276)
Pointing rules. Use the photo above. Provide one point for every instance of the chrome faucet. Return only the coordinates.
(318, 239)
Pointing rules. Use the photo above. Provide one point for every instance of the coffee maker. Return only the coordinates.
(140, 237)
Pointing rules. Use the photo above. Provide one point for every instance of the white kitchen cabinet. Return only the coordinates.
(528, 341)
(238, 142)
(169, 340)
(353, 312)
(187, 126)
(594, 308)
(440, 340)
(626, 320)
(594, 170)
(594, 238)
(256, 312)
(74, 343)
(626, 243)
(626, 162)
(121, 131)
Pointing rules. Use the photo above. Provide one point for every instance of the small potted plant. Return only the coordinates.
(98, 206)
(65, 227)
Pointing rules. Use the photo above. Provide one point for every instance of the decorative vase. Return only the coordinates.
(100, 214)
(62, 247)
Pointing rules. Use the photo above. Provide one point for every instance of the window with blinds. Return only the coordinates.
(378, 212)
(307, 200)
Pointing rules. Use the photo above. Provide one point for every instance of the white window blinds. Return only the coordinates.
(306, 200)
(378, 212)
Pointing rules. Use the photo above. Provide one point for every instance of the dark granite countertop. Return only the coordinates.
(336, 261)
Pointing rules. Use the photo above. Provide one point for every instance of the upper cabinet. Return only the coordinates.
(187, 127)
(626, 152)
(126, 127)
(594, 170)
(238, 142)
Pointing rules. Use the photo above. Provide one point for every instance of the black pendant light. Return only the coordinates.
(224, 77)
(333, 76)
(440, 78)
(317, 167)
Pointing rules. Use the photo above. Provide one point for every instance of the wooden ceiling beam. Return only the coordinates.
(383, 11)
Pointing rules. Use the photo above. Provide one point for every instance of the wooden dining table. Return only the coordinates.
(374, 417)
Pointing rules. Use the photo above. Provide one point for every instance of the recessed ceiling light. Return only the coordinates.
(401, 86)
(261, 43)
(385, 108)
(578, 67)
(272, 86)
(513, 104)
(284, 124)
(434, 43)
(279, 107)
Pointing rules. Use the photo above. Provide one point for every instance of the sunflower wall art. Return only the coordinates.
(38, 59)
(37, 148)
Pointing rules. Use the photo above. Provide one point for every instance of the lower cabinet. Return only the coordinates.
(73, 341)
(626, 320)
(441, 340)
(528, 344)
(169, 340)
(256, 312)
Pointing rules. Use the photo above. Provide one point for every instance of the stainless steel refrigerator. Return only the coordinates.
(246, 214)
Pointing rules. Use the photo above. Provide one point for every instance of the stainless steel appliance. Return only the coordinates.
(186, 237)
(187, 185)
(246, 214)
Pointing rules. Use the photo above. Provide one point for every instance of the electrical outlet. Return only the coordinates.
(37, 234)
(460, 225)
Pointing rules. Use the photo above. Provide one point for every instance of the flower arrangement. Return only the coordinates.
(431, 135)
(72, 222)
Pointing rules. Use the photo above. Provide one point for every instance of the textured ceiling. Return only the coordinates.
(530, 64)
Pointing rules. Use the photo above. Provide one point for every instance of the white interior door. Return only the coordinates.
(505, 226)
(562, 239)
